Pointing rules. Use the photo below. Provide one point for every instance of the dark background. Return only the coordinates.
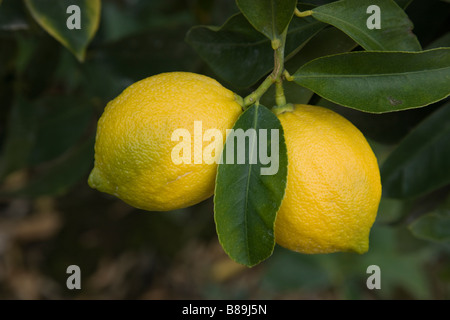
(50, 218)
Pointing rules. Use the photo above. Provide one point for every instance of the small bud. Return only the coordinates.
(276, 43)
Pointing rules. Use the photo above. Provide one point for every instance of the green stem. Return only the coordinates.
(278, 71)
(257, 94)
(275, 77)
(280, 98)
(302, 14)
(287, 75)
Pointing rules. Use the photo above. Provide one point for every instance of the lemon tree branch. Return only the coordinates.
(278, 70)
(257, 94)
(275, 77)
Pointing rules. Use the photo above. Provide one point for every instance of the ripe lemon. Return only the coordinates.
(333, 186)
(134, 144)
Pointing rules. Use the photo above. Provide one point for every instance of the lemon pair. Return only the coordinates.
(333, 185)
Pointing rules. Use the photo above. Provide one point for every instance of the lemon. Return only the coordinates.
(133, 148)
(333, 185)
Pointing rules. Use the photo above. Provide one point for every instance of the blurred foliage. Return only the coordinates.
(49, 218)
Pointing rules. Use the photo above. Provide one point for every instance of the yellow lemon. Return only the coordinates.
(134, 141)
(333, 186)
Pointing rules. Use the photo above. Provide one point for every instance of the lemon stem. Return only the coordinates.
(278, 71)
(280, 99)
(275, 77)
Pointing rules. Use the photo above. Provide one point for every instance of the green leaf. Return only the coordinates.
(440, 42)
(386, 128)
(270, 17)
(379, 81)
(421, 163)
(246, 201)
(350, 16)
(239, 54)
(236, 52)
(434, 226)
(326, 42)
(300, 32)
(53, 17)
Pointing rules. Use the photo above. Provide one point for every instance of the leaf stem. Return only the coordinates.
(275, 77)
(287, 75)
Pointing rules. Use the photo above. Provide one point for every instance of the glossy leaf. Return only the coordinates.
(54, 16)
(300, 32)
(239, 54)
(379, 81)
(270, 17)
(350, 16)
(421, 163)
(247, 198)
(386, 128)
(443, 41)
